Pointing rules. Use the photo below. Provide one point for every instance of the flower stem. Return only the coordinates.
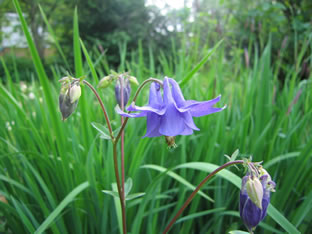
(103, 108)
(120, 189)
(122, 148)
(187, 202)
(120, 193)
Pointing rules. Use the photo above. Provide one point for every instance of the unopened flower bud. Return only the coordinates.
(124, 83)
(133, 80)
(255, 191)
(68, 98)
(75, 92)
(252, 210)
(105, 82)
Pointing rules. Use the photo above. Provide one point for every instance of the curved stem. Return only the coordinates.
(197, 189)
(134, 99)
(103, 108)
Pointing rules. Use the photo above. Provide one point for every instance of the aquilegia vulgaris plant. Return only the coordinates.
(167, 114)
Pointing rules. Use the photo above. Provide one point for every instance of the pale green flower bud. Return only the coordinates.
(105, 82)
(75, 92)
(255, 191)
(133, 80)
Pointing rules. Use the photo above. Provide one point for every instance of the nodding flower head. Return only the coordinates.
(255, 198)
(169, 114)
(69, 96)
(123, 82)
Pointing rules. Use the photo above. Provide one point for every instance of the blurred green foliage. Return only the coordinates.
(108, 25)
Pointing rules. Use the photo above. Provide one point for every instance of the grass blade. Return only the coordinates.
(68, 199)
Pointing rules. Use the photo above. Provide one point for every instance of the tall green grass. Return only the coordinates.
(52, 172)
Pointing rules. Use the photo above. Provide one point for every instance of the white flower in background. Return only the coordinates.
(31, 96)
(41, 100)
(8, 126)
(23, 86)
(34, 114)
(12, 123)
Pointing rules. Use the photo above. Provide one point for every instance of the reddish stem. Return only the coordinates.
(122, 143)
(103, 108)
(187, 202)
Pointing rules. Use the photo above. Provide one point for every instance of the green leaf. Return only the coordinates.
(238, 232)
(89, 61)
(177, 178)
(134, 196)
(51, 32)
(199, 214)
(68, 199)
(117, 207)
(200, 64)
(102, 130)
(112, 193)
(128, 186)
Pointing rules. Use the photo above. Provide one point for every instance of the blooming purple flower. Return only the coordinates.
(170, 114)
(250, 213)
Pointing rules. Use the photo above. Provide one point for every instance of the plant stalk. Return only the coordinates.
(103, 108)
(187, 202)
(122, 143)
(123, 209)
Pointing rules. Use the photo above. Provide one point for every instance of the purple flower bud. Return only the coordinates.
(250, 212)
(68, 98)
(126, 90)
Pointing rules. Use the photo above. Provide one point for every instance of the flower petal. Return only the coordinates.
(204, 108)
(172, 123)
(155, 98)
(167, 92)
(188, 120)
(130, 115)
(152, 125)
(133, 107)
(177, 93)
(187, 131)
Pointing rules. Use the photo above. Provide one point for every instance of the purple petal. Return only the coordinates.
(187, 131)
(188, 120)
(131, 115)
(160, 111)
(155, 98)
(177, 93)
(251, 214)
(201, 111)
(172, 123)
(152, 125)
(167, 92)
(204, 108)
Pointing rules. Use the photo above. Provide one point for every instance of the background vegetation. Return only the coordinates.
(52, 173)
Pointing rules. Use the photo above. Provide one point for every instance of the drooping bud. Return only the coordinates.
(75, 92)
(122, 85)
(252, 210)
(255, 191)
(68, 98)
(105, 82)
(133, 80)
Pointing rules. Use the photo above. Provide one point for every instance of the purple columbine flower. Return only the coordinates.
(170, 114)
(250, 213)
